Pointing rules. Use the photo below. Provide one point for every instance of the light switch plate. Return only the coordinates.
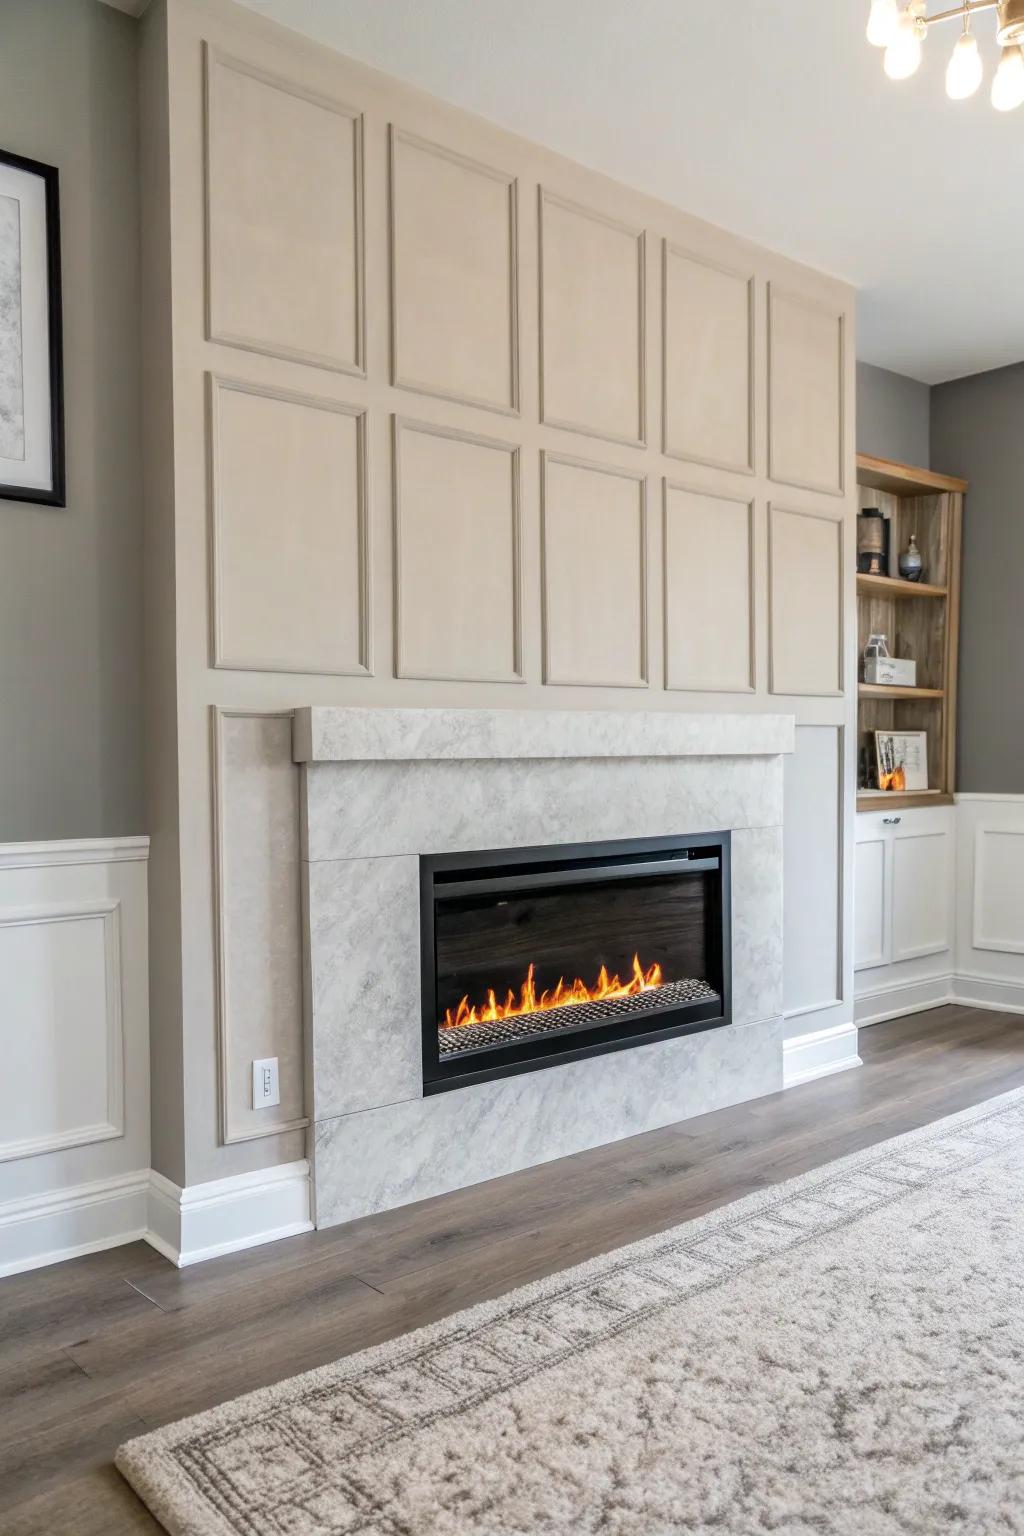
(266, 1088)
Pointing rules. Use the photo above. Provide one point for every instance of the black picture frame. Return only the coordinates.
(56, 494)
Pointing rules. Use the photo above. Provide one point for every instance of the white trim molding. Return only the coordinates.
(130, 7)
(65, 1223)
(82, 850)
(204, 1221)
(820, 1053)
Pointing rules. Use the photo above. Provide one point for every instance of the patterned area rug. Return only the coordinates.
(843, 1354)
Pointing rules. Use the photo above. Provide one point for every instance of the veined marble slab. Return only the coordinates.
(381, 1158)
(330, 735)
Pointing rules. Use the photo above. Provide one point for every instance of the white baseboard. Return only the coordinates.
(206, 1220)
(891, 1002)
(819, 1054)
(63, 1224)
(976, 991)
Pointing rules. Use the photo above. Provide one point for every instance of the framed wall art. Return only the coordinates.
(902, 760)
(31, 345)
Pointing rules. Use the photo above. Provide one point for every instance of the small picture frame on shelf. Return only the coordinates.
(901, 759)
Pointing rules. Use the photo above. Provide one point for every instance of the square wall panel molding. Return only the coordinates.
(805, 602)
(457, 555)
(592, 322)
(594, 556)
(454, 276)
(289, 536)
(284, 218)
(806, 388)
(708, 552)
(707, 361)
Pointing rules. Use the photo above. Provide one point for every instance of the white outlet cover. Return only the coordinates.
(266, 1087)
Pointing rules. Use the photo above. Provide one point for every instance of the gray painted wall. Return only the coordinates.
(70, 578)
(978, 432)
(892, 416)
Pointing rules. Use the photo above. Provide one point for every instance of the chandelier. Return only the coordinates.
(901, 30)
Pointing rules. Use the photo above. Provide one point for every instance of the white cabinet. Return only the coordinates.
(903, 909)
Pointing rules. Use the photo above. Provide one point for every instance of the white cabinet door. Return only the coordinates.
(871, 903)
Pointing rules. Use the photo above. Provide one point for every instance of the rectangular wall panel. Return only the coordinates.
(595, 566)
(289, 547)
(806, 408)
(454, 253)
(921, 891)
(259, 928)
(457, 555)
(805, 602)
(812, 855)
(708, 361)
(709, 591)
(593, 321)
(61, 1039)
(998, 918)
(284, 172)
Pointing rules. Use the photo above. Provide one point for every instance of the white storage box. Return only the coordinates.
(892, 670)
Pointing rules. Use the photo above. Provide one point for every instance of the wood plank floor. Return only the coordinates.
(104, 1347)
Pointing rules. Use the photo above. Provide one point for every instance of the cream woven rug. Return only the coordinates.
(843, 1354)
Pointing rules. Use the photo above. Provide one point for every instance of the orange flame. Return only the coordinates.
(562, 995)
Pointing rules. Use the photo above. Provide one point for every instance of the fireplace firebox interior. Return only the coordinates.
(535, 956)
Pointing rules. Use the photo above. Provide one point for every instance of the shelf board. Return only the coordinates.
(894, 586)
(894, 691)
(904, 479)
(905, 800)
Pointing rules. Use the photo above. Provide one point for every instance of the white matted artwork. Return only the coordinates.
(902, 760)
(31, 371)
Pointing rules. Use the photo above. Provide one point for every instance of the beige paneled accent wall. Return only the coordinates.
(455, 422)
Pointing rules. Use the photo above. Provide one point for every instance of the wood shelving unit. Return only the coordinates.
(921, 620)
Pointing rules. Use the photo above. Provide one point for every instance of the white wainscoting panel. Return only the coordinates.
(74, 1040)
(922, 891)
(871, 929)
(990, 901)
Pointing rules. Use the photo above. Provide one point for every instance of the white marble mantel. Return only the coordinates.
(330, 735)
(382, 787)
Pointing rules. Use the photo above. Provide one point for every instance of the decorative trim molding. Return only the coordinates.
(892, 1002)
(740, 501)
(84, 850)
(217, 385)
(839, 488)
(398, 136)
(836, 520)
(204, 1221)
(400, 424)
(640, 236)
(129, 7)
(65, 1223)
(214, 56)
(108, 912)
(270, 1127)
(669, 248)
(978, 991)
(639, 477)
(819, 1054)
(978, 939)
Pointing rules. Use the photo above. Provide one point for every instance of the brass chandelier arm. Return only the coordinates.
(967, 10)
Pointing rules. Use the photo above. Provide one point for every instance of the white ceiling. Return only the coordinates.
(771, 118)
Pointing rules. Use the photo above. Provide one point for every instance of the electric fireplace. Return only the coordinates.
(534, 956)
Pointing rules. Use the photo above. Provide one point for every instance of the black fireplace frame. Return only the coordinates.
(571, 861)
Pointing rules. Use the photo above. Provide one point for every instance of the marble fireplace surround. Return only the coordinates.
(381, 787)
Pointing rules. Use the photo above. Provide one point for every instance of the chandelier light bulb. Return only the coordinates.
(963, 76)
(883, 22)
(1008, 85)
(903, 55)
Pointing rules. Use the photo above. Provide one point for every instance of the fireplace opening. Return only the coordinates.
(534, 956)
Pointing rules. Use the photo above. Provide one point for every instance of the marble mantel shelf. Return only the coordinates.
(324, 734)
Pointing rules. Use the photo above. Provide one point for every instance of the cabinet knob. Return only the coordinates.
(891, 821)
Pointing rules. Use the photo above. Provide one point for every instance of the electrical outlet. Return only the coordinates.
(266, 1089)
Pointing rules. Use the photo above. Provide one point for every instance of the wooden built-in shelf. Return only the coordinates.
(896, 800)
(893, 586)
(920, 620)
(897, 691)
